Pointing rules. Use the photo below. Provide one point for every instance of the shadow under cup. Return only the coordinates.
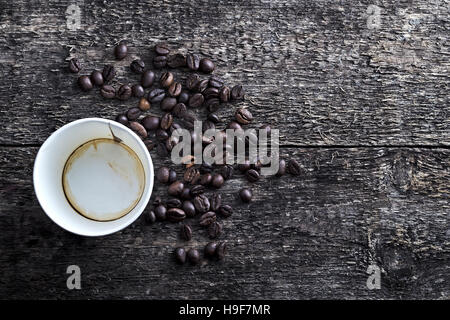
(51, 161)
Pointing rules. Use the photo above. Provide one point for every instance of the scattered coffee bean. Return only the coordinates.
(137, 66)
(186, 194)
(168, 104)
(124, 92)
(176, 61)
(150, 216)
(206, 167)
(196, 100)
(191, 175)
(252, 175)
(281, 168)
(97, 78)
(205, 179)
(173, 203)
(237, 93)
(191, 81)
(212, 105)
(161, 135)
(207, 218)
(179, 110)
(197, 190)
(189, 208)
(172, 176)
(159, 62)
(234, 125)
(137, 91)
(139, 129)
(174, 90)
(121, 118)
(214, 230)
(162, 49)
(206, 65)
(175, 215)
(215, 82)
(293, 167)
(226, 171)
(144, 105)
(175, 188)
(166, 79)
(243, 116)
(210, 249)
(201, 203)
(225, 210)
(245, 194)
(193, 62)
(166, 121)
(147, 78)
(183, 97)
(162, 175)
(160, 212)
(161, 149)
(193, 256)
(151, 123)
(180, 255)
(133, 113)
(156, 95)
(74, 65)
(214, 118)
(171, 142)
(221, 250)
(217, 180)
(186, 232)
(149, 144)
(157, 201)
(224, 94)
(121, 51)
(109, 72)
(210, 93)
(201, 85)
(85, 83)
(108, 92)
(215, 201)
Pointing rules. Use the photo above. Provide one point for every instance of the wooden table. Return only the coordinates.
(359, 91)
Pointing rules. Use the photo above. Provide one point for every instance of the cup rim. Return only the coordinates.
(144, 200)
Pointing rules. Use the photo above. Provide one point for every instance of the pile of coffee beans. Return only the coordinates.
(180, 101)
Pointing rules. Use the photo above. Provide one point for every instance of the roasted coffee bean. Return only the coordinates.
(175, 188)
(221, 250)
(217, 180)
(188, 120)
(191, 81)
(214, 230)
(243, 116)
(237, 93)
(137, 66)
(159, 62)
(246, 195)
(173, 127)
(121, 51)
(215, 201)
(179, 110)
(207, 125)
(173, 203)
(186, 232)
(224, 94)
(160, 212)
(124, 92)
(206, 65)
(201, 203)
(252, 175)
(168, 104)
(161, 135)
(201, 85)
(180, 255)
(109, 72)
(243, 167)
(189, 208)
(193, 256)
(133, 113)
(166, 79)
(171, 142)
(156, 95)
(121, 118)
(150, 216)
(281, 168)
(137, 91)
(97, 78)
(172, 176)
(206, 167)
(151, 123)
(226, 171)
(176, 61)
(149, 144)
(212, 104)
(144, 105)
(157, 201)
(162, 174)
(196, 100)
(210, 92)
(74, 65)
(215, 82)
(139, 129)
(175, 89)
(162, 49)
(234, 125)
(85, 83)
(293, 167)
(191, 175)
(210, 249)
(186, 194)
(197, 190)
(193, 62)
(175, 215)
(205, 179)
(108, 92)
(166, 121)
(214, 118)
(147, 78)
(161, 149)
(225, 210)
(207, 218)
(183, 97)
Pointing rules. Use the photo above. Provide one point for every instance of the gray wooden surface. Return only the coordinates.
(360, 100)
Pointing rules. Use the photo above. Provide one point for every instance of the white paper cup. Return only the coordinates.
(48, 176)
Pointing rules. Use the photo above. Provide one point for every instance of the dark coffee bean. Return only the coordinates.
(162, 49)
(149, 144)
(161, 149)
(156, 95)
(162, 174)
(237, 93)
(215, 82)
(215, 201)
(157, 201)
(186, 232)
(137, 66)
(210, 249)
(124, 92)
(243, 167)
(191, 175)
(172, 176)
(147, 78)
(201, 85)
(139, 129)
(180, 255)
(174, 90)
(133, 113)
(234, 125)
(144, 105)
(217, 180)
(171, 143)
(212, 105)
(252, 175)
(221, 250)
(108, 92)
(166, 121)
(197, 190)
(193, 256)
(201, 203)
(168, 104)
(206, 65)
(160, 212)
(85, 83)
(151, 123)
(173, 203)
(137, 90)
(226, 171)
(159, 62)
(121, 118)
(207, 125)
(293, 167)
(210, 92)
(74, 65)
(97, 78)
(225, 210)
(109, 72)
(214, 230)
(245, 194)
(189, 208)
(161, 135)
(205, 179)
(179, 110)
(206, 167)
(196, 100)
(186, 194)
(224, 94)
(166, 79)
(281, 168)
(243, 116)
(191, 81)
(214, 118)
(175, 215)
(183, 97)
(207, 218)
(121, 51)
(150, 216)
(176, 61)
(193, 62)
(175, 188)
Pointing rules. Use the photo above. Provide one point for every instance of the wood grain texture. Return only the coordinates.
(365, 110)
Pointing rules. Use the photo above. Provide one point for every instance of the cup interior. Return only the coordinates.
(49, 166)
